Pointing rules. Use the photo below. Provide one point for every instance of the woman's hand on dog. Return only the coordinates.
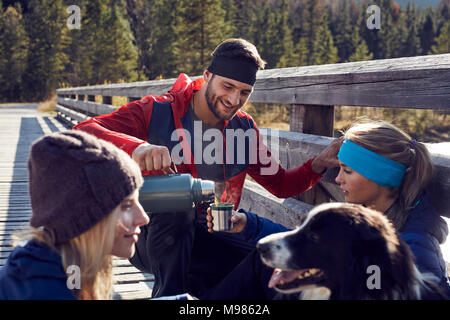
(239, 220)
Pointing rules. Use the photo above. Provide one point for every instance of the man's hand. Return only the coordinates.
(239, 220)
(152, 157)
(328, 157)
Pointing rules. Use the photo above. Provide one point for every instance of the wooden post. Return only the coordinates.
(107, 99)
(312, 119)
(317, 120)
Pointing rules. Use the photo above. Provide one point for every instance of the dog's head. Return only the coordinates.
(334, 248)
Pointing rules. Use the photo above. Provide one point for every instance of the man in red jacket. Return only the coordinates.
(157, 133)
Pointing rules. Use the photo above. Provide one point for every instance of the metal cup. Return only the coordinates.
(221, 213)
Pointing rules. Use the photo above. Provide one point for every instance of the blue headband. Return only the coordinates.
(381, 170)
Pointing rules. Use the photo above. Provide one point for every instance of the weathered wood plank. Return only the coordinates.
(145, 286)
(72, 114)
(132, 89)
(133, 277)
(412, 82)
(86, 106)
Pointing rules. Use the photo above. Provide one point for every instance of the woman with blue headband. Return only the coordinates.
(380, 167)
(383, 168)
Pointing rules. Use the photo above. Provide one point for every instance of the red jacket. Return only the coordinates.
(154, 118)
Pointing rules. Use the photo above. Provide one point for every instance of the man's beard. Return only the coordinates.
(212, 102)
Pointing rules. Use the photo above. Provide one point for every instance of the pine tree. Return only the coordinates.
(379, 41)
(344, 31)
(118, 52)
(285, 48)
(361, 53)
(370, 37)
(324, 50)
(108, 53)
(316, 45)
(231, 17)
(153, 23)
(141, 25)
(245, 20)
(443, 41)
(13, 53)
(200, 28)
(443, 14)
(396, 38)
(268, 42)
(45, 25)
(412, 41)
(91, 53)
(390, 33)
(73, 46)
(427, 30)
(302, 52)
(311, 24)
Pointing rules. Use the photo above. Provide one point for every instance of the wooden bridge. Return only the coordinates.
(311, 92)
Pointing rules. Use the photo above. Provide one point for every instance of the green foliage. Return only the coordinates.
(45, 27)
(152, 23)
(345, 44)
(361, 53)
(13, 53)
(427, 30)
(325, 52)
(443, 41)
(200, 27)
(108, 52)
(285, 46)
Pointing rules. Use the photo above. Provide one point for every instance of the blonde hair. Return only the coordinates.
(90, 251)
(391, 142)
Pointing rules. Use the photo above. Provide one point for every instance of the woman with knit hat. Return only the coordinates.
(85, 209)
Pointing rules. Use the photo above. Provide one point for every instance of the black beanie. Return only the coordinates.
(75, 180)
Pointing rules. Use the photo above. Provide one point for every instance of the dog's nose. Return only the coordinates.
(263, 249)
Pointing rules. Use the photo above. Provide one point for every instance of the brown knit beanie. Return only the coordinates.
(75, 180)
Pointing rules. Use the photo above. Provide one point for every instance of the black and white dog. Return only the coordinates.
(345, 251)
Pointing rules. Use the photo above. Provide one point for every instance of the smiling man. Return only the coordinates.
(177, 248)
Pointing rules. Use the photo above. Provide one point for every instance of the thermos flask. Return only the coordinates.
(174, 192)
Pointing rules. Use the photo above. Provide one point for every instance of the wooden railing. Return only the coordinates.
(311, 92)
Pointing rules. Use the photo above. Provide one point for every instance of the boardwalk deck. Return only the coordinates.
(20, 125)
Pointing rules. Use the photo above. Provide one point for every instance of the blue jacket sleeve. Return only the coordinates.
(258, 227)
(427, 254)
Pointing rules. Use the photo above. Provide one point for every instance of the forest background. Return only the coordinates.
(137, 40)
